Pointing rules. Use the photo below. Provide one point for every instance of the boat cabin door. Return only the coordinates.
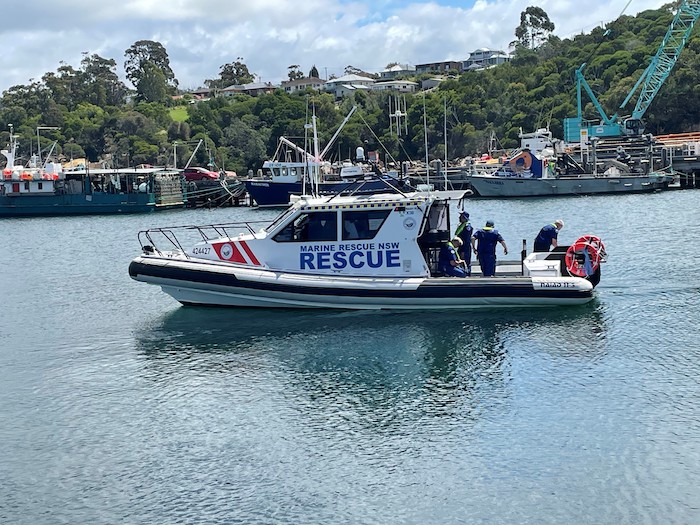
(435, 233)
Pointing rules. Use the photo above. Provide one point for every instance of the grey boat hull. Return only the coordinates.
(491, 186)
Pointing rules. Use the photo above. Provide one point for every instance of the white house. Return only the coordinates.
(397, 70)
(301, 84)
(483, 58)
(341, 86)
(402, 86)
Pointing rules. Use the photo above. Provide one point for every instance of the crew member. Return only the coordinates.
(449, 262)
(464, 231)
(548, 236)
(622, 155)
(485, 252)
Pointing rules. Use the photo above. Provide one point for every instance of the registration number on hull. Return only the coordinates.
(552, 284)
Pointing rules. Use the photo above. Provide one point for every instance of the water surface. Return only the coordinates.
(120, 406)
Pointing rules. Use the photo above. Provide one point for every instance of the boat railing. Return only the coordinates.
(175, 238)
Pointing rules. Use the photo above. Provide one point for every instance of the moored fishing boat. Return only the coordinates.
(353, 252)
(537, 169)
(49, 190)
(294, 170)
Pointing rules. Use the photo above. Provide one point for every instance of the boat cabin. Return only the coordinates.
(280, 171)
(376, 235)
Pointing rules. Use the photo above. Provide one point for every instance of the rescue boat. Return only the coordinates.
(353, 252)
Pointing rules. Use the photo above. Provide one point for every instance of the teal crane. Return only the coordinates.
(651, 82)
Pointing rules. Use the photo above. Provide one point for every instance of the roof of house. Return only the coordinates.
(303, 81)
(395, 82)
(350, 79)
(248, 87)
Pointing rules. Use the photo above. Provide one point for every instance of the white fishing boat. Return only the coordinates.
(543, 168)
(353, 252)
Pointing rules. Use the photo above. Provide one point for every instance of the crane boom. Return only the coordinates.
(651, 81)
(666, 56)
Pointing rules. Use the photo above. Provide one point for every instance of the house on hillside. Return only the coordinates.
(253, 89)
(342, 86)
(302, 84)
(439, 67)
(484, 58)
(397, 70)
(432, 82)
(202, 93)
(402, 86)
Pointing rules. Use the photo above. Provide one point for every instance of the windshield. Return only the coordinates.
(281, 217)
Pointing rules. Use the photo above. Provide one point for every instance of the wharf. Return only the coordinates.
(681, 152)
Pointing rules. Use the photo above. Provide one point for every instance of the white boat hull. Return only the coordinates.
(196, 283)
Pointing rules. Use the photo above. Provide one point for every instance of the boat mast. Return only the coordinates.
(193, 153)
(425, 134)
(10, 154)
(337, 132)
(445, 136)
(316, 168)
(38, 144)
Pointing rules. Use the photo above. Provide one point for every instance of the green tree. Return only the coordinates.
(313, 72)
(233, 74)
(143, 57)
(151, 85)
(100, 81)
(535, 26)
(294, 73)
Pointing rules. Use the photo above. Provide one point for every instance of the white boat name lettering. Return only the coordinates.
(337, 260)
(557, 285)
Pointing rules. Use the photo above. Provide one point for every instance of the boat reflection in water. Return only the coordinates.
(378, 355)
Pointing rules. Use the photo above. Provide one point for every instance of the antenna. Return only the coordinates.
(397, 112)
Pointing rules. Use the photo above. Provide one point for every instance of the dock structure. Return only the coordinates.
(681, 151)
(215, 193)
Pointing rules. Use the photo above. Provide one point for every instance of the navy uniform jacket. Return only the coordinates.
(464, 231)
(447, 254)
(544, 239)
(488, 238)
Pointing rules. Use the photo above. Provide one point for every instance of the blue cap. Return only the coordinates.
(464, 214)
(489, 223)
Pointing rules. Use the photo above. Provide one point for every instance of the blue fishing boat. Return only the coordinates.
(295, 171)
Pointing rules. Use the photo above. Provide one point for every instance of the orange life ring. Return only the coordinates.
(527, 161)
(584, 256)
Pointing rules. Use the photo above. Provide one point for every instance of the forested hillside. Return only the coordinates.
(100, 118)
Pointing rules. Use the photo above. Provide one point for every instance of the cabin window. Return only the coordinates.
(40, 186)
(310, 227)
(362, 225)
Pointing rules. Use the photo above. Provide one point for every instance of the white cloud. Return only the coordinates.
(270, 35)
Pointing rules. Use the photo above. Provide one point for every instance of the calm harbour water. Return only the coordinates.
(119, 406)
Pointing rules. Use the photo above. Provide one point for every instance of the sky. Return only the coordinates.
(270, 35)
